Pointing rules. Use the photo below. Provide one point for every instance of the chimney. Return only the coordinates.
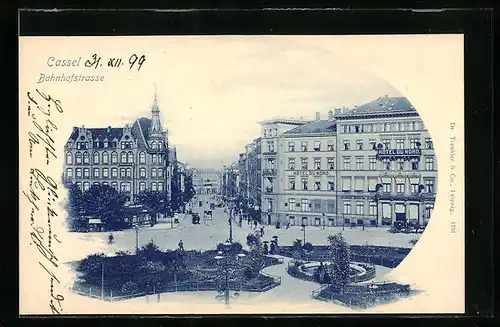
(330, 115)
(318, 116)
(109, 129)
(338, 111)
(344, 109)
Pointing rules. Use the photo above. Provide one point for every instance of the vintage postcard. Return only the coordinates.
(241, 175)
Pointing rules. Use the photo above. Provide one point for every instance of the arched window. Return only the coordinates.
(114, 157)
(105, 158)
(142, 186)
(142, 172)
(160, 144)
(78, 158)
(86, 186)
(69, 158)
(96, 157)
(79, 185)
(86, 157)
(123, 157)
(154, 158)
(153, 145)
(130, 157)
(160, 158)
(160, 172)
(153, 172)
(142, 157)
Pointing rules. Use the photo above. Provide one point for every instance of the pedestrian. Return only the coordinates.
(181, 245)
(111, 238)
(255, 224)
(262, 231)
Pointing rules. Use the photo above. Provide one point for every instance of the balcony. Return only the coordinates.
(269, 172)
(269, 152)
(405, 196)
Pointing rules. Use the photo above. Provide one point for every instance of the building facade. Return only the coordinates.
(130, 159)
(206, 181)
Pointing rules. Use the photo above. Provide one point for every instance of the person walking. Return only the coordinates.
(111, 238)
(181, 246)
(261, 231)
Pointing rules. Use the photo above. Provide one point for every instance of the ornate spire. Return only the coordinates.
(155, 119)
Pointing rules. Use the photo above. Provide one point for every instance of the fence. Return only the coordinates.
(295, 271)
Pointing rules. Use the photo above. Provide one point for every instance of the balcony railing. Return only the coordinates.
(269, 152)
(269, 172)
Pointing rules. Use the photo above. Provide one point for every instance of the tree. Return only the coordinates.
(256, 256)
(189, 191)
(176, 197)
(340, 259)
(156, 200)
(76, 220)
(298, 250)
(104, 202)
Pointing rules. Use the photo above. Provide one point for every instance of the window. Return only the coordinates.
(291, 146)
(291, 204)
(359, 144)
(429, 185)
(86, 172)
(331, 145)
(317, 146)
(331, 163)
(122, 172)
(317, 163)
(401, 164)
(142, 157)
(142, 172)
(373, 144)
(160, 145)
(86, 158)
(114, 172)
(358, 128)
(387, 127)
(78, 172)
(359, 207)
(359, 163)
(78, 145)
(347, 208)
(114, 158)
(303, 163)
(153, 172)
(400, 144)
(129, 172)
(372, 184)
(358, 183)
(69, 158)
(414, 187)
(428, 210)
(414, 143)
(347, 163)
(429, 163)
(346, 183)
(414, 164)
(386, 143)
(96, 183)
(303, 146)
(331, 186)
(317, 185)
(123, 157)
(160, 172)
(125, 187)
(400, 187)
(372, 163)
(304, 183)
(96, 157)
(304, 205)
(130, 157)
(153, 145)
(347, 145)
(346, 128)
(373, 209)
(105, 158)
(96, 172)
(105, 144)
(154, 187)
(86, 186)
(114, 185)
(142, 186)
(386, 187)
(69, 172)
(270, 146)
(79, 185)
(160, 185)
(291, 183)
(154, 158)
(387, 164)
(160, 158)
(428, 144)
(105, 172)
(291, 163)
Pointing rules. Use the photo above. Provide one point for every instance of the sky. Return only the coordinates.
(212, 99)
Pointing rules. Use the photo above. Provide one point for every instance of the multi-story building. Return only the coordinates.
(131, 159)
(371, 165)
(230, 181)
(206, 181)
(387, 165)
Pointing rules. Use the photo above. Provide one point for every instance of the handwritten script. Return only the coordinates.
(42, 190)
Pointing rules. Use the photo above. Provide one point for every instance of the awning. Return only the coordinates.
(95, 221)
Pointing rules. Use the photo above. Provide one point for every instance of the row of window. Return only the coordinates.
(124, 186)
(104, 158)
(124, 144)
(372, 164)
(383, 127)
(304, 146)
(105, 172)
(400, 143)
(358, 185)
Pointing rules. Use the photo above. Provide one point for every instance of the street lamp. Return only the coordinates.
(136, 238)
(222, 258)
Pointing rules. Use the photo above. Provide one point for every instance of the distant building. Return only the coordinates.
(206, 181)
(131, 159)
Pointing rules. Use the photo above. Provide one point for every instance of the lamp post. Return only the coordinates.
(304, 230)
(222, 258)
(136, 239)
(230, 226)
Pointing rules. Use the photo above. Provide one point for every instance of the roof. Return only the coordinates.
(383, 105)
(315, 127)
(109, 133)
